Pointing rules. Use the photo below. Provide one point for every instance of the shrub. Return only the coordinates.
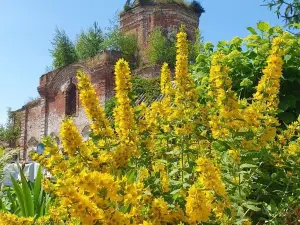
(63, 50)
(27, 200)
(247, 58)
(197, 8)
(127, 44)
(178, 161)
(10, 132)
(160, 48)
(89, 43)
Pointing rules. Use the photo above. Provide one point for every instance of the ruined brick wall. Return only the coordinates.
(101, 71)
(33, 123)
(29, 116)
(44, 116)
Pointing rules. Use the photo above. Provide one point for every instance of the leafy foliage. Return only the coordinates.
(197, 7)
(89, 43)
(247, 57)
(26, 199)
(63, 50)
(10, 132)
(287, 10)
(115, 40)
(149, 87)
(160, 48)
(6, 155)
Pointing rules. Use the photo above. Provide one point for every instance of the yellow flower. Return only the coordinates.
(143, 174)
(246, 222)
(11, 219)
(124, 116)
(236, 180)
(235, 155)
(210, 176)
(198, 205)
(185, 87)
(269, 84)
(91, 103)
(165, 79)
(160, 210)
(71, 138)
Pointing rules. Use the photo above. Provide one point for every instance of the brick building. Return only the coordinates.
(57, 89)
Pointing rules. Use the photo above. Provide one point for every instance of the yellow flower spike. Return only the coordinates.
(225, 107)
(12, 219)
(198, 204)
(235, 155)
(70, 136)
(165, 79)
(124, 115)
(185, 87)
(93, 109)
(269, 84)
(210, 176)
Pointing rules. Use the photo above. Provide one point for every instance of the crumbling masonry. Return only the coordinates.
(57, 89)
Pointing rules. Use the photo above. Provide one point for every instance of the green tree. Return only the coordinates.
(10, 132)
(115, 40)
(160, 49)
(288, 10)
(90, 43)
(63, 50)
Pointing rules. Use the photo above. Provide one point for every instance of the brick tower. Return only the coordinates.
(141, 19)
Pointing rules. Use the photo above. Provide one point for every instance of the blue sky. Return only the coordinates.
(27, 27)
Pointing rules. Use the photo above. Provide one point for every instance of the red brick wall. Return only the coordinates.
(33, 123)
(56, 108)
(142, 20)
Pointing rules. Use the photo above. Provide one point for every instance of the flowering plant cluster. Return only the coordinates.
(178, 161)
(247, 58)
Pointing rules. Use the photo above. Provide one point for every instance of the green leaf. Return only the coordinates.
(12, 200)
(263, 26)
(252, 30)
(29, 207)
(252, 207)
(48, 203)
(2, 206)
(246, 165)
(287, 117)
(175, 191)
(20, 196)
(37, 189)
(173, 172)
(287, 57)
(41, 209)
(246, 82)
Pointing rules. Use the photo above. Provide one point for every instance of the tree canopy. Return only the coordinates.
(10, 132)
(63, 50)
(288, 10)
(90, 43)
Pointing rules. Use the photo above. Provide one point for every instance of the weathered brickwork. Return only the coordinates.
(142, 20)
(43, 116)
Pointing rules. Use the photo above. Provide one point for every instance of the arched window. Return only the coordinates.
(71, 100)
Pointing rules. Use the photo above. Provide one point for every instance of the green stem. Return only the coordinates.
(182, 162)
